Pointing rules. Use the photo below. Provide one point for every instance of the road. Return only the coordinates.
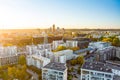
(34, 75)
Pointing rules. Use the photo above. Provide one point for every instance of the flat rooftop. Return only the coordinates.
(56, 66)
(96, 66)
(113, 65)
(116, 77)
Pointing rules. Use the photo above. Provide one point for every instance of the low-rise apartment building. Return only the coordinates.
(96, 71)
(54, 71)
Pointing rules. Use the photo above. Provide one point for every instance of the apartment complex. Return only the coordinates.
(37, 60)
(106, 53)
(68, 43)
(96, 71)
(63, 56)
(54, 71)
(8, 55)
(99, 45)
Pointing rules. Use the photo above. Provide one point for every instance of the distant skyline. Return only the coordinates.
(30, 14)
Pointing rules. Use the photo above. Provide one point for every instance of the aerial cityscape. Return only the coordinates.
(59, 40)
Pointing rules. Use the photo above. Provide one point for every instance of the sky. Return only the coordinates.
(21, 14)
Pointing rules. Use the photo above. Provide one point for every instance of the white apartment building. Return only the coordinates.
(114, 66)
(10, 50)
(8, 55)
(57, 43)
(106, 53)
(96, 71)
(71, 43)
(62, 56)
(44, 46)
(98, 45)
(37, 60)
(31, 49)
(54, 71)
(68, 43)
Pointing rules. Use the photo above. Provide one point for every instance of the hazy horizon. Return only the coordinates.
(72, 14)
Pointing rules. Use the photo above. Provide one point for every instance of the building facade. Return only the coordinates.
(99, 45)
(8, 55)
(54, 71)
(37, 60)
(63, 56)
(106, 54)
(96, 71)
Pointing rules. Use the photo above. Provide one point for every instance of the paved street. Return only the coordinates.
(34, 75)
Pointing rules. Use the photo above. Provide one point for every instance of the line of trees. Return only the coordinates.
(113, 40)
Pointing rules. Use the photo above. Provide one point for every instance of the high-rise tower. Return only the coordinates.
(53, 27)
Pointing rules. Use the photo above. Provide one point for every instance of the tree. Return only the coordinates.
(70, 77)
(116, 42)
(7, 44)
(22, 60)
(59, 48)
(107, 40)
(80, 60)
(78, 71)
(17, 72)
(75, 48)
(73, 62)
(11, 72)
(101, 38)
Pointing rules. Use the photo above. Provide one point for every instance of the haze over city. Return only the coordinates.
(29, 14)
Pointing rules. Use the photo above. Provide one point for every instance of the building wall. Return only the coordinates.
(118, 52)
(8, 60)
(106, 54)
(116, 72)
(67, 53)
(50, 74)
(95, 75)
(38, 61)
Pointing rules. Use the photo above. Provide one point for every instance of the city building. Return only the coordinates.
(31, 49)
(82, 41)
(99, 45)
(37, 60)
(6, 60)
(82, 52)
(53, 27)
(71, 43)
(57, 43)
(8, 55)
(106, 53)
(54, 71)
(96, 71)
(43, 48)
(118, 52)
(63, 56)
(114, 66)
(68, 43)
